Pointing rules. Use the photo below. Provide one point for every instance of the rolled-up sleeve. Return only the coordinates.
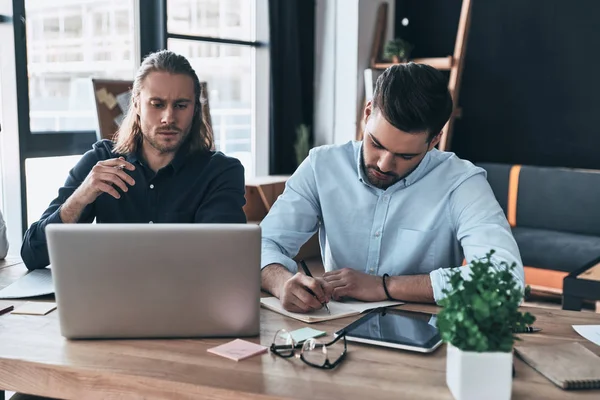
(480, 227)
(293, 219)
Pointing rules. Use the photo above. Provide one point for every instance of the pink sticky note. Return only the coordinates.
(238, 349)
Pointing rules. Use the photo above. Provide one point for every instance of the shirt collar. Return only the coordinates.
(413, 177)
(177, 162)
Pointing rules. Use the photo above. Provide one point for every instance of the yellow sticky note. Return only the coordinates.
(111, 101)
(35, 308)
(101, 95)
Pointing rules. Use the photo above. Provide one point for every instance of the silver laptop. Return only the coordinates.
(156, 280)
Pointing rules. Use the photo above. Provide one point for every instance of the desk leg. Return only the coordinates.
(572, 303)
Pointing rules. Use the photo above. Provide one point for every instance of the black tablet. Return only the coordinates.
(400, 329)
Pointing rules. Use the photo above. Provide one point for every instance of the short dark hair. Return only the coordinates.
(413, 98)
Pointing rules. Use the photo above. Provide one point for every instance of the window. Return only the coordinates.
(74, 54)
(73, 26)
(218, 38)
(44, 176)
(68, 42)
(51, 27)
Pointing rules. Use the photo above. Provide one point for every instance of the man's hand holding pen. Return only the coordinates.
(295, 296)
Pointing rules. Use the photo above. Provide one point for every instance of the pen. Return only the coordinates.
(307, 272)
(7, 309)
(529, 329)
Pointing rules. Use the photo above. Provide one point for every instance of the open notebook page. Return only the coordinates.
(338, 309)
(36, 283)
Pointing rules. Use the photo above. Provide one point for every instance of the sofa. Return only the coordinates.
(555, 218)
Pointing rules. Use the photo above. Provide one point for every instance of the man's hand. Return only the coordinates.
(103, 178)
(296, 298)
(100, 180)
(348, 282)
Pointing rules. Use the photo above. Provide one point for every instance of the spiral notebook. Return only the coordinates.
(568, 366)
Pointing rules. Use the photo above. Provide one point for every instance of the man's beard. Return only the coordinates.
(378, 182)
(170, 147)
(374, 180)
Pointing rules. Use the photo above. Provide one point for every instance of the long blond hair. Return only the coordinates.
(129, 135)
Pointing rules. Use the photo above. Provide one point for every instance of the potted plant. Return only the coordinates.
(302, 144)
(479, 318)
(397, 50)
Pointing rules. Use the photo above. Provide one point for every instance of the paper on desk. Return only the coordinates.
(238, 350)
(36, 283)
(35, 308)
(302, 334)
(590, 332)
(337, 309)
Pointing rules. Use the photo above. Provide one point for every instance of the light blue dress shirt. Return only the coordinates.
(426, 223)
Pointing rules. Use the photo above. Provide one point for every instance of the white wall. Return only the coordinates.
(324, 71)
(343, 40)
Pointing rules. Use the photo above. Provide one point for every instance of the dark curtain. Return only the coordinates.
(292, 34)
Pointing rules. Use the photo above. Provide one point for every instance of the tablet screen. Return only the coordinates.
(400, 327)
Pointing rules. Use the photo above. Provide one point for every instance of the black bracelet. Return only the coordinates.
(385, 288)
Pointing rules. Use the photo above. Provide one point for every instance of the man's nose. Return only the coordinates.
(386, 162)
(168, 115)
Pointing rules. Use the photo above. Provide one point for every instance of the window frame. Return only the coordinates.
(148, 39)
(260, 84)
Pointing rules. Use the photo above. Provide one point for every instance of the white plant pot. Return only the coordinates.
(472, 375)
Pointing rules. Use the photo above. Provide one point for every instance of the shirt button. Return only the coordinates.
(377, 234)
(386, 197)
(151, 186)
(371, 270)
(150, 222)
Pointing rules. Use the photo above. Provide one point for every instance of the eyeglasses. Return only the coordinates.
(318, 355)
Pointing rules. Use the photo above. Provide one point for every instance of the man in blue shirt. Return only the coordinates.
(393, 212)
(160, 168)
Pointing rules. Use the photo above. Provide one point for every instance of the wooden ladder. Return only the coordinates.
(453, 63)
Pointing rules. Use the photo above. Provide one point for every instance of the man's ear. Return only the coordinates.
(367, 112)
(434, 142)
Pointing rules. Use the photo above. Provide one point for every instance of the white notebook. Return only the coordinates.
(338, 309)
(36, 283)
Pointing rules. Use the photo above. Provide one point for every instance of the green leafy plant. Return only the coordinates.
(302, 145)
(397, 50)
(481, 313)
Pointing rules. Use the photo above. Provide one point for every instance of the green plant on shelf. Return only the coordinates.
(397, 50)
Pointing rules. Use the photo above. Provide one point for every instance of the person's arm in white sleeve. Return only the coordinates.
(480, 227)
(292, 220)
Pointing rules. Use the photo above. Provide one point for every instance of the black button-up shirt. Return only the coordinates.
(199, 187)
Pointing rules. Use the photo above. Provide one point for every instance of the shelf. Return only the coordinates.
(441, 63)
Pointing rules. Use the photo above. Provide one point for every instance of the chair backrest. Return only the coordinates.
(560, 199)
(497, 176)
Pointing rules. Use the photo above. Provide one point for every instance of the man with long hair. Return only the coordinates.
(394, 214)
(160, 167)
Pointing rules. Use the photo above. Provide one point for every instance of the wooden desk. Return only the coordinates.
(35, 359)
